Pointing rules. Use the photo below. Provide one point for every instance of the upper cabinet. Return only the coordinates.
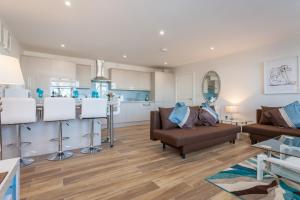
(83, 75)
(130, 80)
(163, 89)
(38, 72)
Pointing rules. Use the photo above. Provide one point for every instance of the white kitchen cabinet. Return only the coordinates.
(62, 69)
(163, 89)
(38, 72)
(130, 80)
(83, 75)
(134, 112)
(144, 81)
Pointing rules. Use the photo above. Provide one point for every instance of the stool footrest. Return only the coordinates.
(57, 139)
(88, 134)
(12, 144)
(27, 143)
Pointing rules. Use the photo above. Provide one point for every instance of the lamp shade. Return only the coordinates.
(231, 109)
(10, 71)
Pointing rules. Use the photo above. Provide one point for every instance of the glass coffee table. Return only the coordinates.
(281, 157)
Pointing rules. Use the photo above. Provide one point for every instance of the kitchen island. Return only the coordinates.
(40, 133)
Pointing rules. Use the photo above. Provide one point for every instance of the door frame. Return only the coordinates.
(193, 74)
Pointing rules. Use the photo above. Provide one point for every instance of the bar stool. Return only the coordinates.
(60, 110)
(19, 111)
(115, 105)
(92, 109)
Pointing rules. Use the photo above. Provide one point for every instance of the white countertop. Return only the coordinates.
(137, 102)
(11, 166)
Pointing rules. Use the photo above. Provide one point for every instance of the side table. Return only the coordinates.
(237, 122)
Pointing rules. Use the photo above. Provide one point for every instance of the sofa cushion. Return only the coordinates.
(180, 137)
(265, 117)
(210, 110)
(287, 117)
(270, 131)
(205, 118)
(291, 114)
(276, 118)
(183, 115)
(164, 116)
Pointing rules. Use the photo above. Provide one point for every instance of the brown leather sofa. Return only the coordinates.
(189, 140)
(259, 132)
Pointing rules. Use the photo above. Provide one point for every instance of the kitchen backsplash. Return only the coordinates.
(133, 95)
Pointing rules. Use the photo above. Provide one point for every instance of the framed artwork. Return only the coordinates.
(281, 76)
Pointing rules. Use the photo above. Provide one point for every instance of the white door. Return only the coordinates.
(185, 88)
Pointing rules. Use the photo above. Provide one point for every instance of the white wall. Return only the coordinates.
(242, 77)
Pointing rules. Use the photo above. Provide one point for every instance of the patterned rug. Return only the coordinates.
(240, 180)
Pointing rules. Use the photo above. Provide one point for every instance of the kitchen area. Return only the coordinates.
(138, 90)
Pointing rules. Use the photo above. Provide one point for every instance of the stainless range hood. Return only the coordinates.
(100, 72)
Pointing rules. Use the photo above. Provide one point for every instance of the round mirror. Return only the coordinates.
(211, 86)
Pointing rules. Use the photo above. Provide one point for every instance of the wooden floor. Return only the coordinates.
(136, 168)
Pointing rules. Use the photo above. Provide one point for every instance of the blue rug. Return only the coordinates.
(240, 180)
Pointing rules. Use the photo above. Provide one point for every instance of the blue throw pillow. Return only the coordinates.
(291, 114)
(211, 111)
(182, 116)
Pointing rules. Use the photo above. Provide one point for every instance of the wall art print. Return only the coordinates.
(281, 76)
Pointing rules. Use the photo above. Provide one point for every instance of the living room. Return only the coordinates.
(140, 99)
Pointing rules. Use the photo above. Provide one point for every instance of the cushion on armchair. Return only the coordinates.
(265, 118)
(288, 116)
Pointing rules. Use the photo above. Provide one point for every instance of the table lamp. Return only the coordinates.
(230, 110)
(10, 74)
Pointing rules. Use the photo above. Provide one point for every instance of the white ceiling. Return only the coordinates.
(108, 29)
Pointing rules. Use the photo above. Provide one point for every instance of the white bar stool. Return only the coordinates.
(19, 111)
(59, 109)
(92, 109)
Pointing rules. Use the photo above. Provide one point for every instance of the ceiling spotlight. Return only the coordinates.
(164, 49)
(68, 3)
(165, 63)
(62, 45)
(212, 48)
(124, 56)
(161, 32)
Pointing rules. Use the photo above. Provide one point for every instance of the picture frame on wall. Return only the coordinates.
(281, 76)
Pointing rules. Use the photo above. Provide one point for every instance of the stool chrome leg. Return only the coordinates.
(60, 155)
(91, 149)
(106, 138)
(23, 161)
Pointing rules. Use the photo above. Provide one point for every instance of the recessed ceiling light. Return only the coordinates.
(68, 3)
(62, 45)
(124, 56)
(161, 32)
(165, 63)
(164, 49)
(212, 48)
